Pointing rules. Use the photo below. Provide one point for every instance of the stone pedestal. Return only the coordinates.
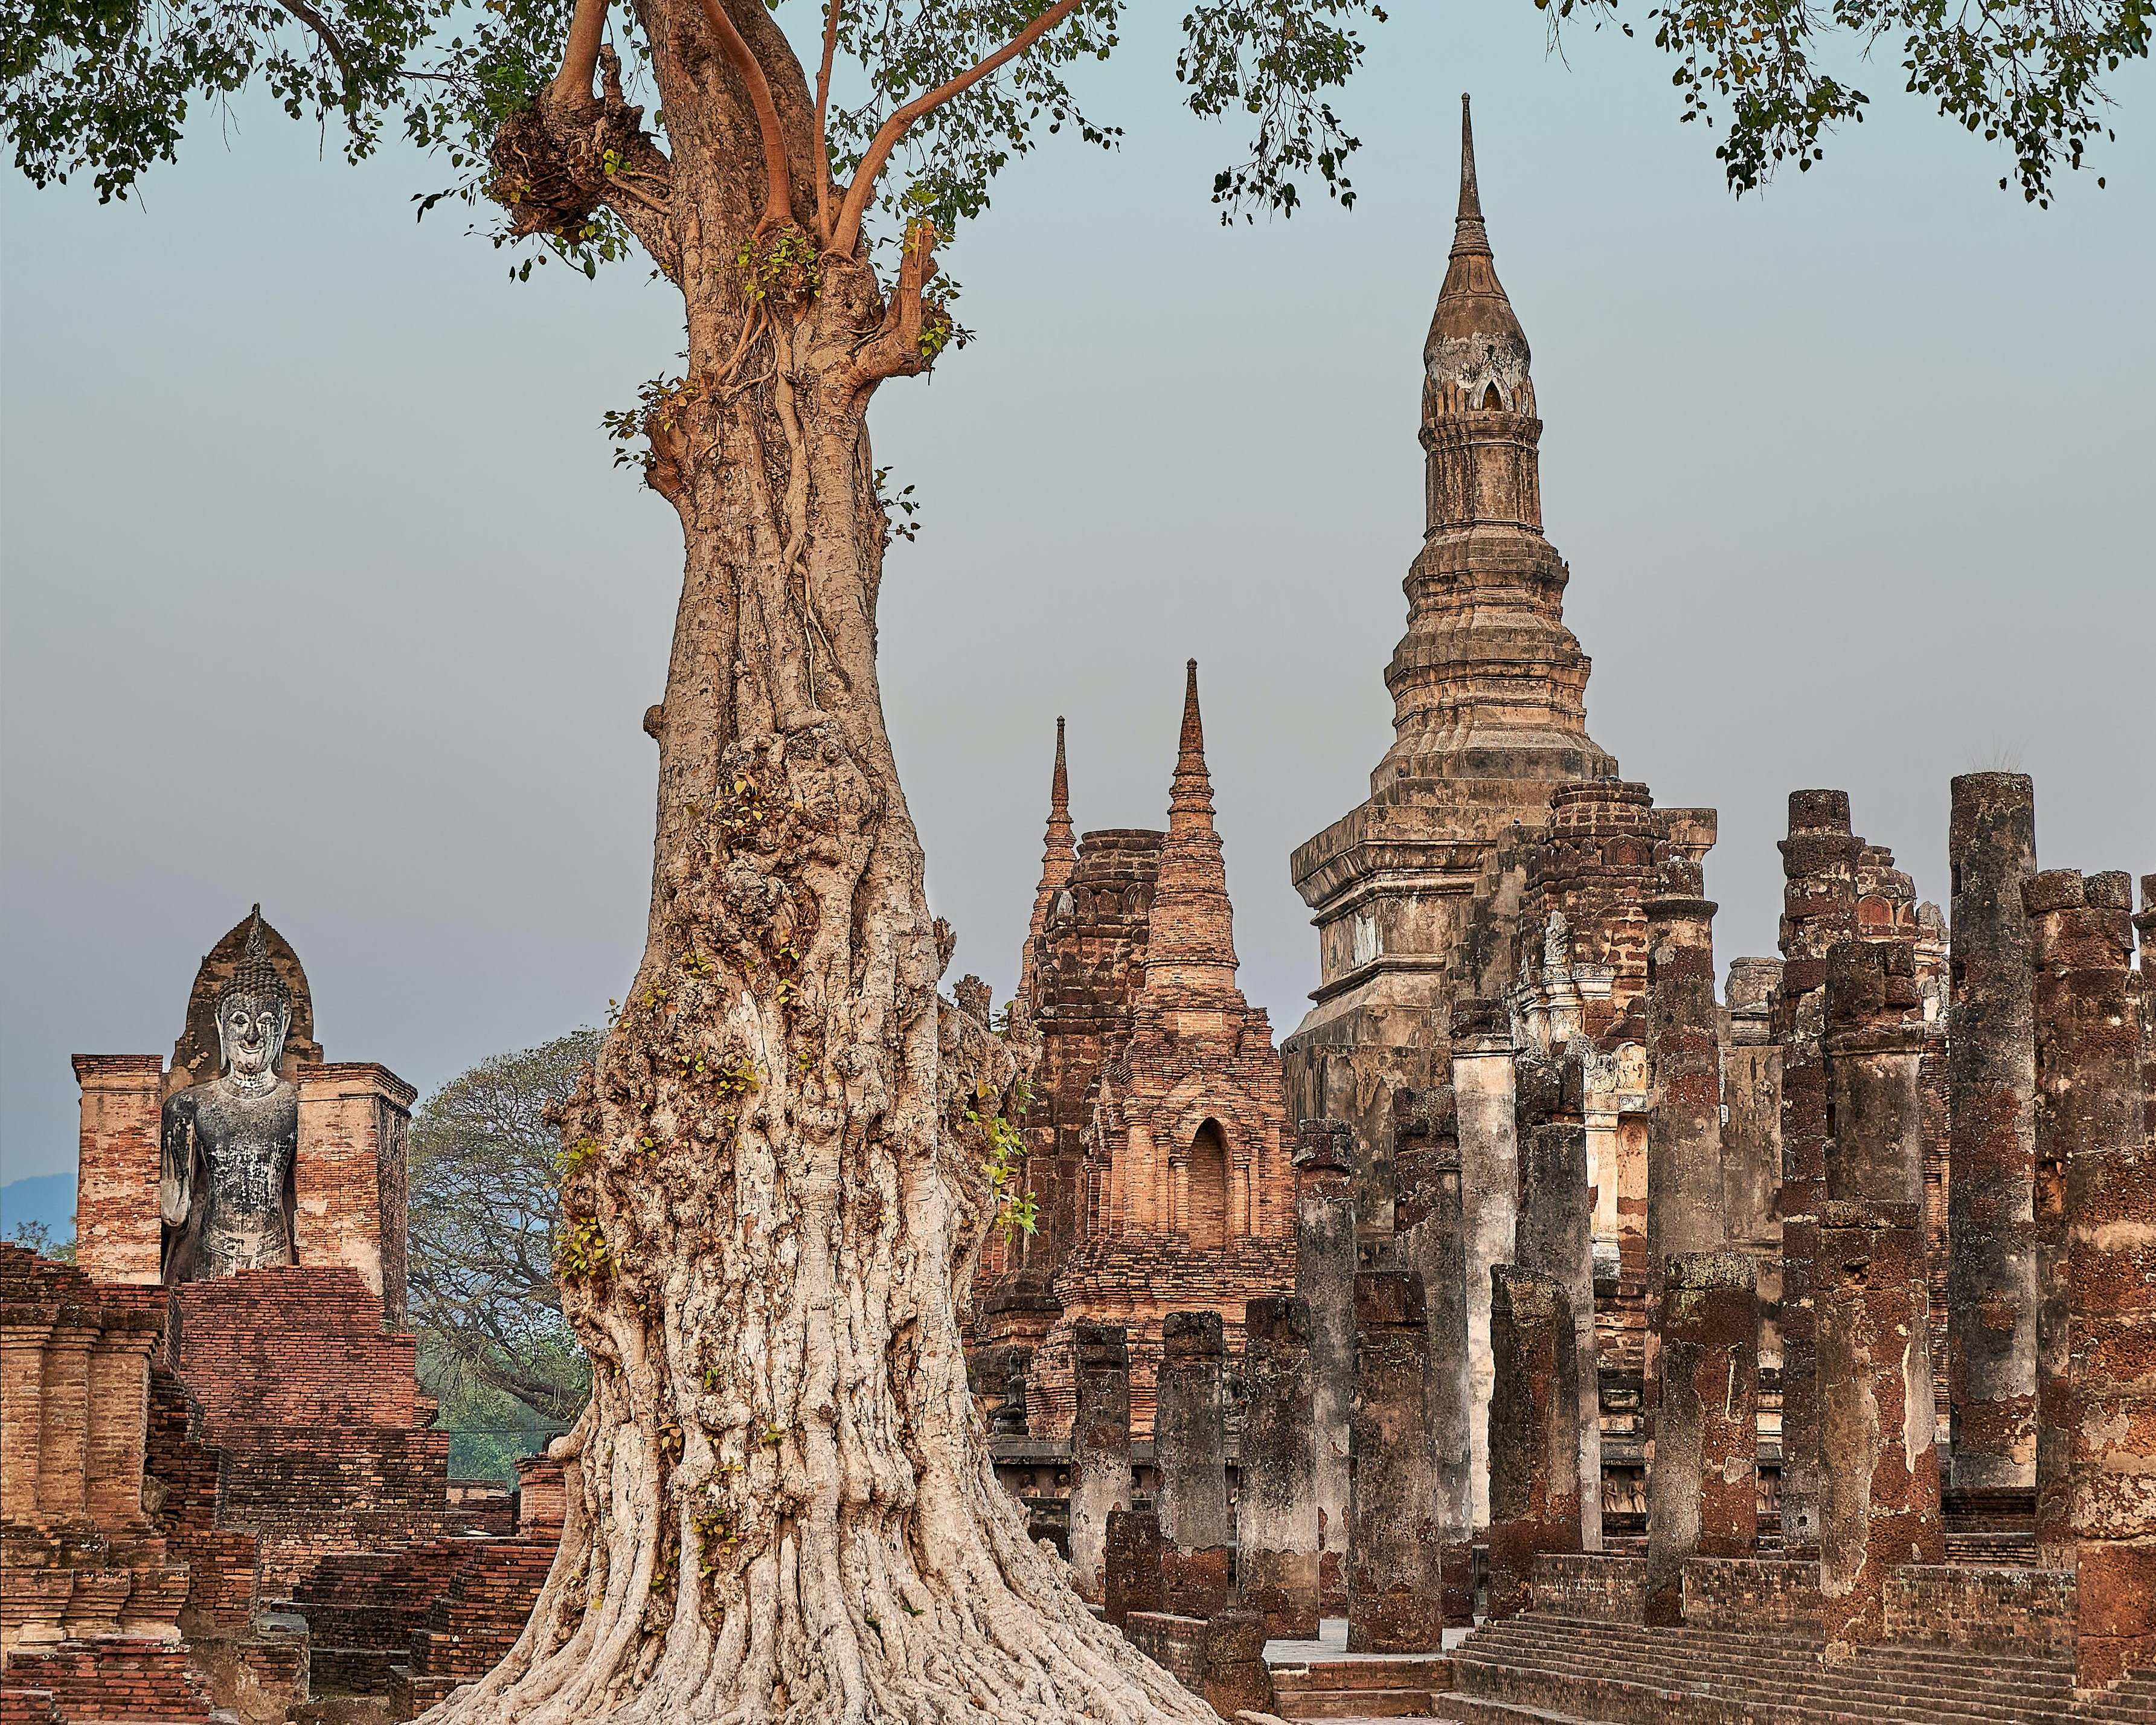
(1197, 1539)
(1534, 1472)
(1880, 1509)
(1276, 1504)
(118, 1233)
(1100, 1451)
(1555, 1237)
(1991, 1078)
(1132, 1563)
(1702, 1489)
(349, 1180)
(1396, 1550)
(1325, 1282)
(2090, 1093)
(1490, 1189)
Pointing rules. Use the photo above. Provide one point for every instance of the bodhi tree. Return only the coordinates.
(778, 1175)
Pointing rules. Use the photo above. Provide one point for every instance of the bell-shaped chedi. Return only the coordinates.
(1413, 900)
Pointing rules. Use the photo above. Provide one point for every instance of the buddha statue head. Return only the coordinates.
(254, 1016)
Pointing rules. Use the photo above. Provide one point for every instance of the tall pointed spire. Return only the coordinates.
(1058, 858)
(1191, 947)
(1468, 232)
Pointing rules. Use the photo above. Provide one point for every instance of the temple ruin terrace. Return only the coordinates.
(1565, 1321)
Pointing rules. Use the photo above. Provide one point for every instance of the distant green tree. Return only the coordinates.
(37, 1236)
(494, 1347)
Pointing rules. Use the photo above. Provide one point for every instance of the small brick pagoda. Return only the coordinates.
(1158, 1144)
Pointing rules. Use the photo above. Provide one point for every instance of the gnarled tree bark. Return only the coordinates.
(775, 1179)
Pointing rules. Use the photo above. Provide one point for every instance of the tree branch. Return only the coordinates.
(580, 56)
(887, 140)
(320, 25)
(823, 133)
(779, 198)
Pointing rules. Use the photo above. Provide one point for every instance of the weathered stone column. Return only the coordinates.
(1702, 1490)
(63, 1445)
(1429, 1238)
(2088, 1074)
(1276, 1505)
(1555, 1236)
(2146, 924)
(1874, 1055)
(1489, 1196)
(1880, 1508)
(1325, 1282)
(1534, 1451)
(1687, 1210)
(1100, 1450)
(1197, 1539)
(1395, 1562)
(2069, 956)
(1133, 1563)
(1991, 1083)
(1819, 908)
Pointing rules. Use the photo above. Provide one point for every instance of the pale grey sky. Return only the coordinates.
(320, 588)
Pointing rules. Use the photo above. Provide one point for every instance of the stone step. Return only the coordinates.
(1406, 1670)
(1584, 1668)
(1930, 1661)
(1853, 1690)
(1364, 1703)
(1475, 1710)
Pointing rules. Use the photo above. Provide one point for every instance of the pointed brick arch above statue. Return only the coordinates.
(196, 1058)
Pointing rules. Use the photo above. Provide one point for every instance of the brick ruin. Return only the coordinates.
(223, 1492)
(1158, 1143)
(1763, 1350)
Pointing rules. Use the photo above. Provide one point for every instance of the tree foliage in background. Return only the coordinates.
(107, 86)
(484, 1202)
(38, 1237)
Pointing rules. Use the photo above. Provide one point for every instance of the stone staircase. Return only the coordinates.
(1397, 1686)
(2130, 1702)
(1538, 1669)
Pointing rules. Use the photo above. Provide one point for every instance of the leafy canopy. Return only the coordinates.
(106, 87)
(484, 1218)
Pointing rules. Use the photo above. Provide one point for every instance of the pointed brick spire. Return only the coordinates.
(1191, 947)
(1058, 858)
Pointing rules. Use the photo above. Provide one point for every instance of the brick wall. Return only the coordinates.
(1603, 1589)
(1751, 1593)
(2025, 1614)
(1177, 1644)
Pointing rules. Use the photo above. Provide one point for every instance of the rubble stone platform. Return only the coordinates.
(1322, 1679)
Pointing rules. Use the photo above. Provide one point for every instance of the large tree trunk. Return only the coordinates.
(775, 1181)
